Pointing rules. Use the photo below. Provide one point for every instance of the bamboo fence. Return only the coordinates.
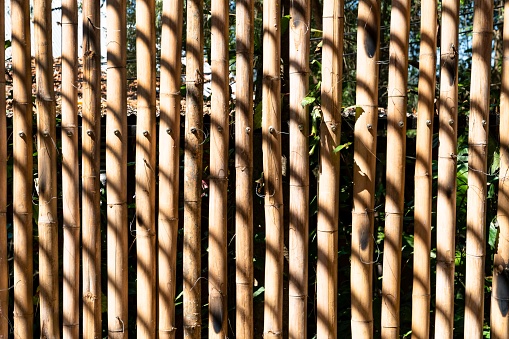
(421, 294)
(500, 294)
(145, 169)
(365, 137)
(47, 172)
(116, 174)
(395, 170)
(477, 164)
(70, 172)
(447, 168)
(182, 247)
(169, 137)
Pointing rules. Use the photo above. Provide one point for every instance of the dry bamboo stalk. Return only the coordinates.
(446, 201)
(328, 184)
(477, 164)
(395, 170)
(365, 134)
(169, 164)
(91, 141)
(194, 138)
(423, 175)
(500, 294)
(70, 171)
(23, 165)
(116, 170)
(271, 146)
(4, 265)
(244, 169)
(47, 172)
(145, 169)
(299, 168)
(218, 312)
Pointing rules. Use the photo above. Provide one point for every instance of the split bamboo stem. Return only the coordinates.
(169, 164)
(70, 171)
(145, 169)
(365, 134)
(395, 170)
(328, 184)
(91, 143)
(477, 164)
(194, 139)
(271, 146)
(446, 199)
(47, 172)
(299, 168)
(423, 197)
(4, 264)
(22, 173)
(116, 170)
(218, 312)
(500, 294)
(244, 168)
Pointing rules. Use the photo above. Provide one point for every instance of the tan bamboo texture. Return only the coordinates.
(244, 168)
(22, 173)
(446, 198)
(395, 169)
(91, 141)
(477, 165)
(218, 312)
(116, 170)
(499, 317)
(4, 265)
(169, 165)
(421, 293)
(272, 175)
(70, 171)
(299, 168)
(47, 172)
(365, 134)
(145, 169)
(328, 182)
(194, 139)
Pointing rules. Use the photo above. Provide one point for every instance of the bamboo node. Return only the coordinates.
(21, 134)
(89, 296)
(120, 330)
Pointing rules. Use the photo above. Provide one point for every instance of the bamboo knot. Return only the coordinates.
(89, 296)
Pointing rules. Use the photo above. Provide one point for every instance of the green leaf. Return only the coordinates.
(492, 238)
(358, 111)
(285, 23)
(340, 147)
(307, 101)
(258, 292)
(7, 44)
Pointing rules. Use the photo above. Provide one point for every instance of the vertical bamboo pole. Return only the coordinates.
(91, 141)
(116, 170)
(194, 138)
(218, 312)
(169, 164)
(423, 173)
(365, 134)
(477, 164)
(499, 319)
(328, 185)
(299, 167)
(70, 171)
(22, 176)
(4, 264)
(271, 146)
(446, 200)
(47, 174)
(395, 170)
(145, 169)
(244, 168)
